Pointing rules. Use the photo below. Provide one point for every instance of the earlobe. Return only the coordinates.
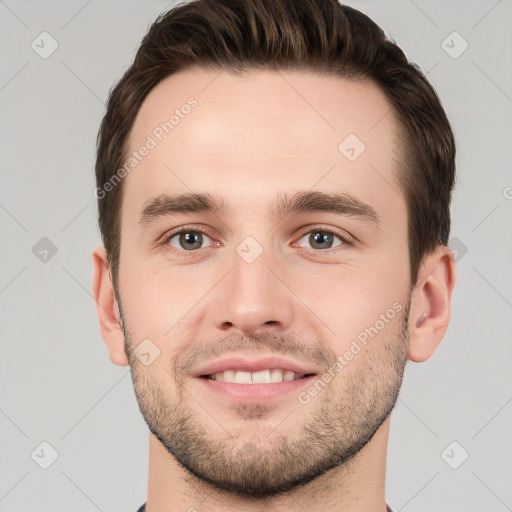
(107, 308)
(431, 304)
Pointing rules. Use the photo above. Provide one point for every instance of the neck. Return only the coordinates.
(357, 486)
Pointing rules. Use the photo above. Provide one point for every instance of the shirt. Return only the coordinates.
(143, 508)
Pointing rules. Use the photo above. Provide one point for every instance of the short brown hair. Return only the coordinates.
(315, 35)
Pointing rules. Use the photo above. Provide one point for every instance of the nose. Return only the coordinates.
(253, 298)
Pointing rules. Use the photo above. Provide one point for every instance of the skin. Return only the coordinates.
(249, 138)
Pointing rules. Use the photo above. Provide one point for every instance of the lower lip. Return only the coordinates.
(255, 392)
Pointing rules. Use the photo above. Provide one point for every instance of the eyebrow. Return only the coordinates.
(304, 201)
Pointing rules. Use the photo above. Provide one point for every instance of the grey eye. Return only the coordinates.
(321, 239)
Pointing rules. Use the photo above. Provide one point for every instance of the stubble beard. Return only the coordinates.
(337, 425)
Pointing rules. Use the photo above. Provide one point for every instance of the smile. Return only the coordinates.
(269, 376)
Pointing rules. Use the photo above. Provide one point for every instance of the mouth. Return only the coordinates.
(266, 376)
(259, 370)
(256, 379)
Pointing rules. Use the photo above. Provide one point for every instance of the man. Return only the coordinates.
(274, 183)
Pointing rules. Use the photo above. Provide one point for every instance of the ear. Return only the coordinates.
(431, 304)
(107, 308)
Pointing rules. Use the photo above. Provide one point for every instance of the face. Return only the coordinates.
(290, 261)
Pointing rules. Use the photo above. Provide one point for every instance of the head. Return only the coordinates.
(274, 122)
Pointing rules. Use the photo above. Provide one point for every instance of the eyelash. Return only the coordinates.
(182, 252)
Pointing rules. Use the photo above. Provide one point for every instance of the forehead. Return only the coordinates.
(253, 134)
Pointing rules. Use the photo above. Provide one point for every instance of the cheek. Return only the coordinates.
(145, 295)
(372, 355)
(349, 298)
(161, 305)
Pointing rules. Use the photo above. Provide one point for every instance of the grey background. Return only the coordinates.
(56, 381)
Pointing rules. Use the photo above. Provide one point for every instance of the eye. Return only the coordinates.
(322, 239)
(187, 239)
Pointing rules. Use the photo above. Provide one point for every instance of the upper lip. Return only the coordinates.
(253, 365)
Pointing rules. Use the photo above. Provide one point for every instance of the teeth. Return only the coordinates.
(276, 375)
(288, 376)
(262, 377)
(273, 375)
(243, 377)
(228, 375)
